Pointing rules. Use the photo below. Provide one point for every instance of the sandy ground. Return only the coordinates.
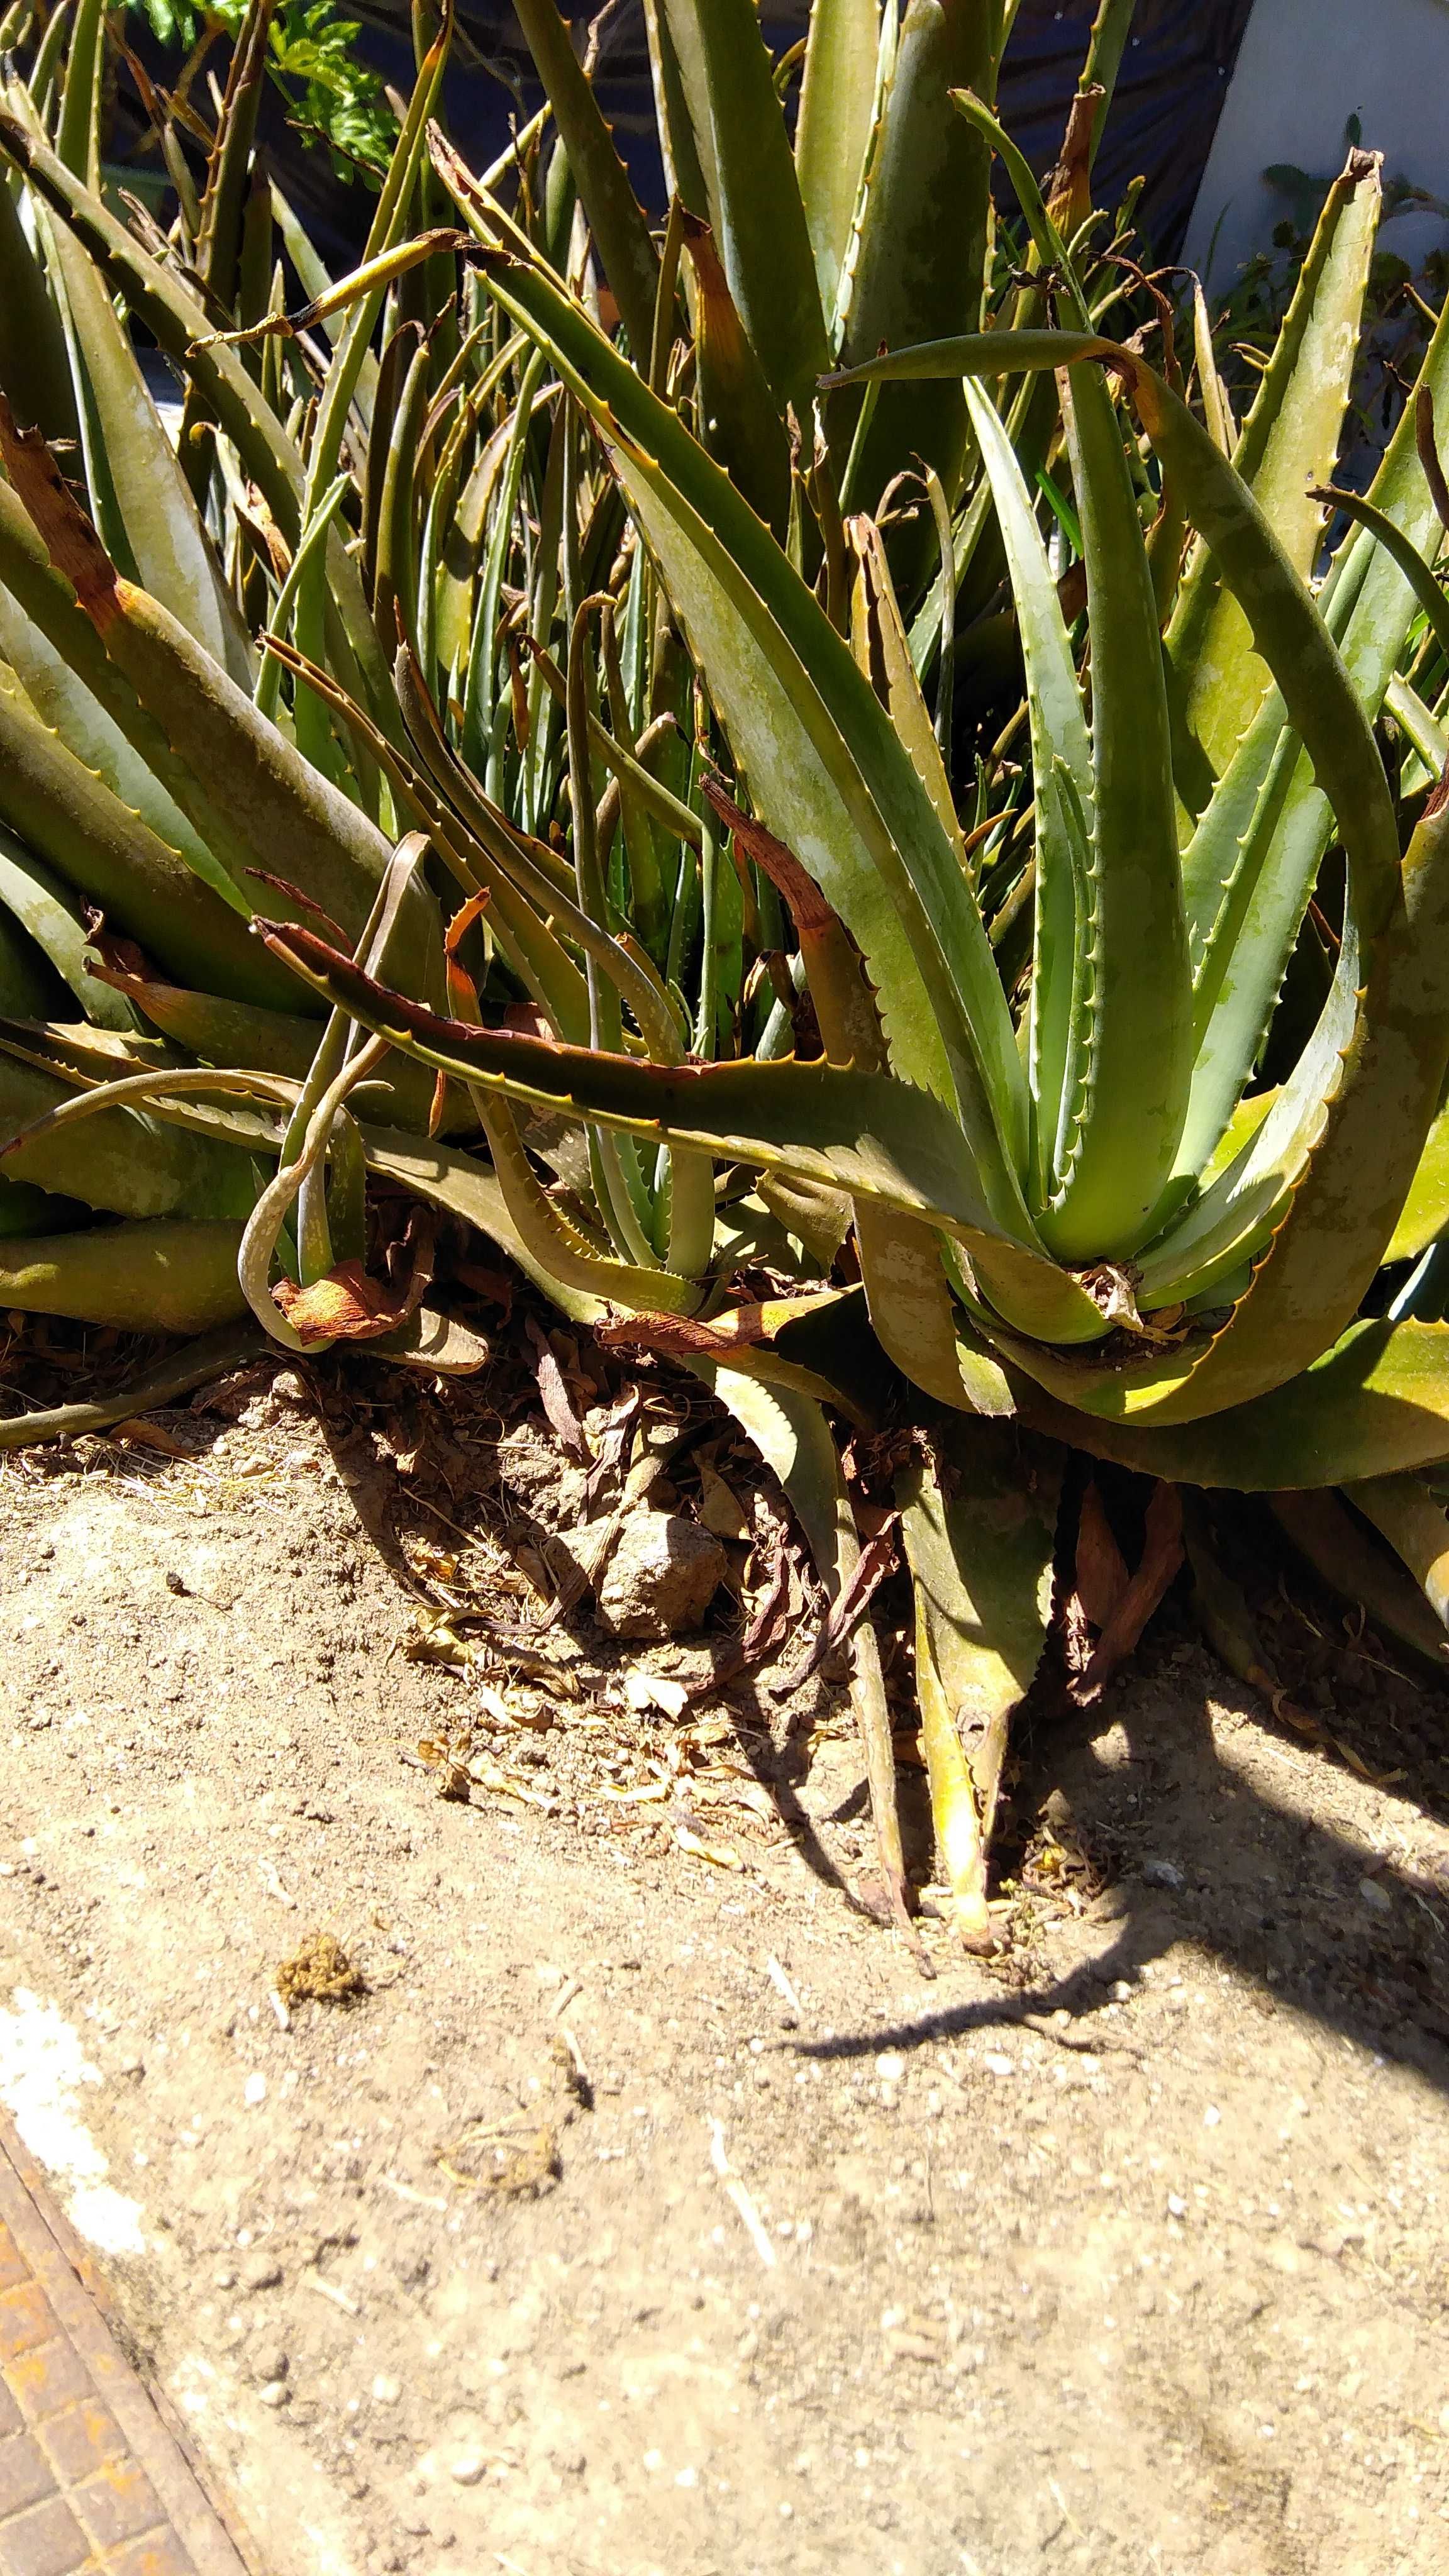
(649, 2211)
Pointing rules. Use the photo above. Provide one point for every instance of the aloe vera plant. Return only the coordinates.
(620, 721)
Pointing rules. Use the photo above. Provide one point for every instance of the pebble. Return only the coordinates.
(261, 2272)
(1375, 1897)
(254, 2091)
(890, 2066)
(386, 2392)
(1162, 1873)
(467, 2471)
(275, 2393)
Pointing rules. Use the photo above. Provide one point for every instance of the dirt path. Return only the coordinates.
(1128, 2258)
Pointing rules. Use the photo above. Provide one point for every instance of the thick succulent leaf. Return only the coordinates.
(1377, 1404)
(34, 362)
(1134, 1016)
(170, 1276)
(1425, 1211)
(1350, 1560)
(1288, 445)
(869, 1134)
(824, 766)
(981, 1568)
(44, 906)
(687, 156)
(198, 1363)
(1058, 735)
(70, 818)
(1328, 1246)
(466, 1188)
(837, 104)
(1252, 865)
(738, 421)
(57, 689)
(1413, 1521)
(128, 1165)
(140, 499)
(920, 262)
(616, 220)
(753, 193)
(175, 316)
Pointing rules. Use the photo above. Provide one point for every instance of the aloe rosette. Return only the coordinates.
(594, 709)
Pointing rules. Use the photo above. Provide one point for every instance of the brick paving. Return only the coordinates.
(93, 2480)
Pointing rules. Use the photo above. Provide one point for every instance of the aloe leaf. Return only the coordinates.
(56, 685)
(143, 506)
(164, 1277)
(837, 106)
(1358, 1153)
(754, 204)
(115, 1160)
(34, 362)
(176, 317)
(824, 765)
(1425, 1210)
(29, 987)
(981, 1569)
(920, 262)
(78, 131)
(685, 153)
(1350, 1560)
(621, 234)
(1288, 445)
(70, 818)
(1058, 734)
(42, 903)
(1412, 1519)
(200, 1363)
(1376, 1404)
(737, 419)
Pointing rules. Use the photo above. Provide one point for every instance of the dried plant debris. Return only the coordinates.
(519, 2160)
(319, 1972)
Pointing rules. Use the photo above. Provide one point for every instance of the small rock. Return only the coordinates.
(131, 2065)
(275, 2393)
(223, 2277)
(386, 2392)
(661, 1578)
(467, 2470)
(261, 2272)
(1376, 1898)
(1162, 1873)
(254, 2091)
(270, 2365)
(890, 2066)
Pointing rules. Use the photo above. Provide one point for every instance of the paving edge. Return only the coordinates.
(203, 2519)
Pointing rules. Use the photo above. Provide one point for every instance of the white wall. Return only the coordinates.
(1305, 67)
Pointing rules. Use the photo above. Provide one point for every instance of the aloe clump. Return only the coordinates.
(611, 639)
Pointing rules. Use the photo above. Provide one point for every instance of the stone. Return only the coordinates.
(661, 1578)
(261, 2272)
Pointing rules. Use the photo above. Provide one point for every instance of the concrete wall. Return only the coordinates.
(1305, 67)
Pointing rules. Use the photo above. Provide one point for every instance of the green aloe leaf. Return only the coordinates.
(1425, 1211)
(1376, 1404)
(621, 234)
(1412, 1519)
(163, 1277)
(981, 1570)
(920, 263)
(753, 194)
(824, 765)
(1288, 445)
(116, 1161)
(70, 818)
(1058, 735)
(837, 108)
(42, 903)
(868, 1134)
